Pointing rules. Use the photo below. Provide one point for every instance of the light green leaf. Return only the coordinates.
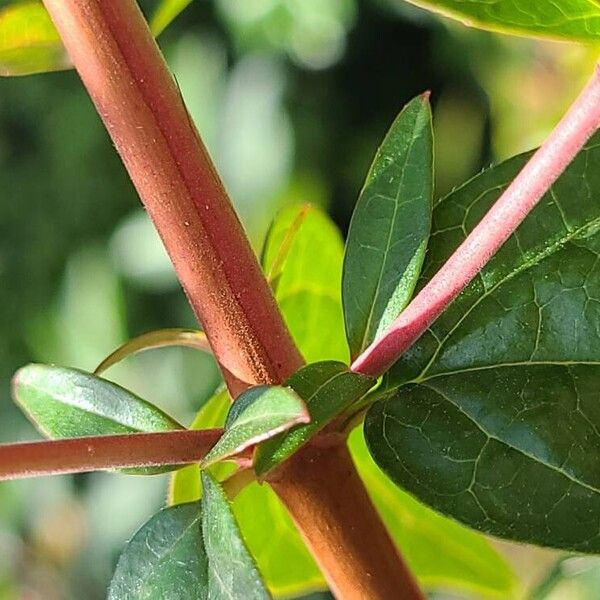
(464, 560)
(390, 227)
(256, 415)
(557, 19)
(499, 423)
(308, 288)
(164, 559)
(328, 388)
(160, 338)
(66, 403)
(29, 42)
(231, 570)
(165, 13)
(284, 561)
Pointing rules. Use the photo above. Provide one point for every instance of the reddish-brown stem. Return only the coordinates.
(126, 76)
(534, 180)
(80, 455)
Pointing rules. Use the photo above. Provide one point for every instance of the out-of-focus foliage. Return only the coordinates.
(287, 120)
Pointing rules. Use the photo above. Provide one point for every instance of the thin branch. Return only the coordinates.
(80, 455)
(535, 179)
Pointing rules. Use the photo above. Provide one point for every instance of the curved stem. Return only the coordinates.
(80, 455)
(526, 190)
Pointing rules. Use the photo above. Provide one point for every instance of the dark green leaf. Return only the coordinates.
(256, 415)
(65, 403)
(499, 425)
(231, 570)
(390, 227)
(557, 19)
(327, 388)
(164, 559)
(308, 278)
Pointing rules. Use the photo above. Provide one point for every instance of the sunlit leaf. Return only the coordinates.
(556, 19)
(256, 415)
(497, 422)
(161, 338)
(164, 559)
(232, 572)
(390, 227)
(29, 42)
(328, 388)
(165, 13)
(308, 288)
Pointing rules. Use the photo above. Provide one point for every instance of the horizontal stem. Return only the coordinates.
(526, 190)
(80, 455)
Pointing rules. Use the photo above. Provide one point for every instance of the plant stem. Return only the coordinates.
(80, 455)
(127, 78)
(525, 191)
(136, 96)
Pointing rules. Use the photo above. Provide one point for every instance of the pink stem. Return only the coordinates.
(79, 455)
(530, 185)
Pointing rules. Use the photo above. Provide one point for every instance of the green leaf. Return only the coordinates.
(160, 338)
(308, 280)
(328, 388)
(390, 227)
(499, 423)
(164, 559)
(560, 19)
(464, 560)
(282, 557)
(29, 42)
(165, 13)
(231, 570)
(66, 403)
(256, 415)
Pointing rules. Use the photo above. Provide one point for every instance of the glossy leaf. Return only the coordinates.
(499, 425)
(390, 227)
(164, 559)
(556, 19)
(328, 388)
(464, 560)
(160, 338)
(165, 13)
(282, 557)
(29, 42)
(308, 288)
(231, 570)
(256, 415)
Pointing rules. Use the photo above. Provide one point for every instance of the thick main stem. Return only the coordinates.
(80, 455)
(525, 191)
(126, 76)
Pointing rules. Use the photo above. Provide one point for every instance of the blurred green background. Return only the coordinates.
(292, 98)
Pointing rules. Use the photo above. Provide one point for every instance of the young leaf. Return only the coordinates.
(308, 288)
(256, 415)
(327, 388)
(161, 338)
(562, 19)
(231, 570)
(29, 42)
(164, 559)
(390, 227)
(465, 560)
(281, 555)
(498, 426)
(165, 13)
